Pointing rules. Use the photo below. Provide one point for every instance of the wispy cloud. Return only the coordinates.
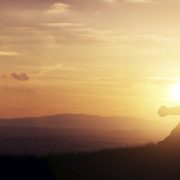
(108, 1)
(59, 8)
(8, 53)
(63, 25)
(19, 90)
(139, 1)
(53, 67)
(163, 81)
(20, 77)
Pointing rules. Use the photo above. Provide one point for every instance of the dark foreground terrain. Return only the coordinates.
(24, 168)
(151, 162)
(143, 163)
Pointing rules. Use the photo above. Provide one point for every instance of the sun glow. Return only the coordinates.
(174, 92)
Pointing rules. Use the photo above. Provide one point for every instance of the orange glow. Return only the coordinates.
(105, 57)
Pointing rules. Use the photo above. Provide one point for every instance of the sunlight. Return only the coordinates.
(174, 92)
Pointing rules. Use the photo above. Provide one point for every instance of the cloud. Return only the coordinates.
(52, 68)
(108, 1)
(139, 1)
(164, 81)
(8, 53)
(63, 25)
(58, 8)
(19, 89)
(20, 77)
(65, 32)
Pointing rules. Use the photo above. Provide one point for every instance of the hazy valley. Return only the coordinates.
(70, 132)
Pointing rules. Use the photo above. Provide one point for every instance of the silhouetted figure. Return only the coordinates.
(164, 111)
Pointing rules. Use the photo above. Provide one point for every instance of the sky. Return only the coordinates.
(106, 57)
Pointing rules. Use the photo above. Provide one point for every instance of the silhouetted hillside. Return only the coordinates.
(79, 121)
(138, 163)
(33, 140)
(150, 162)
(173, 140)
(70, 132)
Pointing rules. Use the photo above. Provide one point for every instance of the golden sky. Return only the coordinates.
(106, 57)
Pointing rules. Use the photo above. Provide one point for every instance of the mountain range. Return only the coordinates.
(72, 132)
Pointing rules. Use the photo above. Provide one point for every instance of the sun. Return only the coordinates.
(174, 92)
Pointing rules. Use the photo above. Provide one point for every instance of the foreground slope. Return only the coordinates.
(151, 162)
(143, 163)
(172, 142)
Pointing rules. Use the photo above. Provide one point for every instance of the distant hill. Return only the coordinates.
(32, 140)
(81, 121)
(72, 132)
